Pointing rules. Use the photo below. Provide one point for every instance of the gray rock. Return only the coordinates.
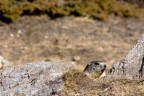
(38, 79)
(132, 67)
(4, 63)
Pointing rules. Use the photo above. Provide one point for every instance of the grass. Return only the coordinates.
(77, 83)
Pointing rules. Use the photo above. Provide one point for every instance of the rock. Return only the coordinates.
(38, 79)
(76, 58)
(132, 67)
(4, 63)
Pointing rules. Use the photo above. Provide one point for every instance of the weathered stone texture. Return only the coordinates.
(38, 79)
(132, 67)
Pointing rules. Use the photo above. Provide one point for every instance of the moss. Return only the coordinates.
(97, 9)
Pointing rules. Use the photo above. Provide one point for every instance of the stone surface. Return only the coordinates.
(132, 67)
(37, 79)
(4, 63)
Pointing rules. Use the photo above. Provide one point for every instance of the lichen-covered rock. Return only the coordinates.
(132, 67)
(38, 79)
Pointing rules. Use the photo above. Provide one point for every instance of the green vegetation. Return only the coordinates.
(10, 10)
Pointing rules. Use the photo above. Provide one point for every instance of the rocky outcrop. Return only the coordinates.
(132, 67)
(35, 79)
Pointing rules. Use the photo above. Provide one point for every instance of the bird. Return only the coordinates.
(95, 69)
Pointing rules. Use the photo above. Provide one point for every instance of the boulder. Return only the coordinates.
(132, 66)
(33, 79)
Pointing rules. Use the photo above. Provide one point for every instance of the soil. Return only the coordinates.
(36, 38)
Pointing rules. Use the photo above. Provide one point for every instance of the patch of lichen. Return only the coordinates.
(10, 10)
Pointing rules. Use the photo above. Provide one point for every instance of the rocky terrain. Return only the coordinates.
(79, 39)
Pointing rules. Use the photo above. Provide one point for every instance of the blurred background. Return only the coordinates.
(71, 30)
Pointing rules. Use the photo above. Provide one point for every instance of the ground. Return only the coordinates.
(80, 85)
(36, 38)
(31, 39)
